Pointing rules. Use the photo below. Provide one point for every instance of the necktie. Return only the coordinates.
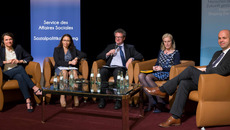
(217, 60)
(122, 56)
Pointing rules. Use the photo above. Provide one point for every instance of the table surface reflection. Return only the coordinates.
(86, 88)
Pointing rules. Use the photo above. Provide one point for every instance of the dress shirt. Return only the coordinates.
(222, 56)
(9, 56)
(117, 57)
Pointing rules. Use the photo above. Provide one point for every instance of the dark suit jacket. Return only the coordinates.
(130, 52)
(59, 56)
(223, 68)
(21, 54)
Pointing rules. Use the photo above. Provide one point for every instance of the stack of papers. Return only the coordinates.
(113, 66)
(67, 68)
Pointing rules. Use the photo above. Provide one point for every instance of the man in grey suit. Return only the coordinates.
(119, 55)
(188, 79)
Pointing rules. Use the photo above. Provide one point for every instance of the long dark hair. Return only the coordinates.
(71, 45)
(6, 34)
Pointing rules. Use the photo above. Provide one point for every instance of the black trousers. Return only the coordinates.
(187, 81)
(107, 72)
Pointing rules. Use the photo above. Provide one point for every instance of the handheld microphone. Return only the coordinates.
(116, 46)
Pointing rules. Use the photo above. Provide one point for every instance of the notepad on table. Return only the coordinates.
(146, 71)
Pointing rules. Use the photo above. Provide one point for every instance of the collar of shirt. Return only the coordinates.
(121, 45)
(225, 51)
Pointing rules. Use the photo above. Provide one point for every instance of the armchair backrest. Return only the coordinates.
(183, 64)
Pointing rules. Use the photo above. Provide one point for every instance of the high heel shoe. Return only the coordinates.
(76, 101)
(38, 91)
(62, 101)
(30, 109)
(156, 110)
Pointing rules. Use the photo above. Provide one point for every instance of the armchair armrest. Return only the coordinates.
(214, 87)
(47, 70)
(175, 69)
(144, 65)
(98, 65)
(213, 100)
(131, 70)
(84, 68)
(1, 78)
(34, 69)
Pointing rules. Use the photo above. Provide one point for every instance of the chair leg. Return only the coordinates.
(1, 100)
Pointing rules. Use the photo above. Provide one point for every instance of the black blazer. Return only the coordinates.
(59, 56)
(21, 54)
(223, 68)
(130, 52)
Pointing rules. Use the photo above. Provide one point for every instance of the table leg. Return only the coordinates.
(141, 102)
(125, 112)
(43, 108)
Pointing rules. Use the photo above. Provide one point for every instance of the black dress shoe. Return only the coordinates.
(101, 103)
(117, 105)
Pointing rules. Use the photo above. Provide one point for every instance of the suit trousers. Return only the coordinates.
(187, 81)
(22, 77)
(107, 72)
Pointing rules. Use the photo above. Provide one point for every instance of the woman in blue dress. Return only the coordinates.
(167, 57)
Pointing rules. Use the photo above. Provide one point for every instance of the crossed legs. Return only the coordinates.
(25, 83)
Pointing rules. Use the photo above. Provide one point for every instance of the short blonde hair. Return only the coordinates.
(171, 37)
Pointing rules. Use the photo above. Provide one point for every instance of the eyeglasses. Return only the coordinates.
(66, 40)
(118, 37)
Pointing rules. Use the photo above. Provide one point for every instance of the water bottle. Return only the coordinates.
(122, 80)
(55, 81)
(71, 79)
(126, 79)
(98, 77)
(92, 77)
(61, 81)
(118, 78)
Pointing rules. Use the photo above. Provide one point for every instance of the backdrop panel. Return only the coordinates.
(50, 19)
(215, 17)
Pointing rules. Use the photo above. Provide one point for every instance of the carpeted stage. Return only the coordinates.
(86, 117)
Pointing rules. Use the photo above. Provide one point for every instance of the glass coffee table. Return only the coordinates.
(104, 90)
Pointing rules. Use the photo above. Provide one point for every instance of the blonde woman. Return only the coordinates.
(167, 57)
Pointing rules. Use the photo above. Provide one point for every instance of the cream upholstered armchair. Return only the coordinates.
(148, 65)
(9, 90)
(213, 97)
(48, 72)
